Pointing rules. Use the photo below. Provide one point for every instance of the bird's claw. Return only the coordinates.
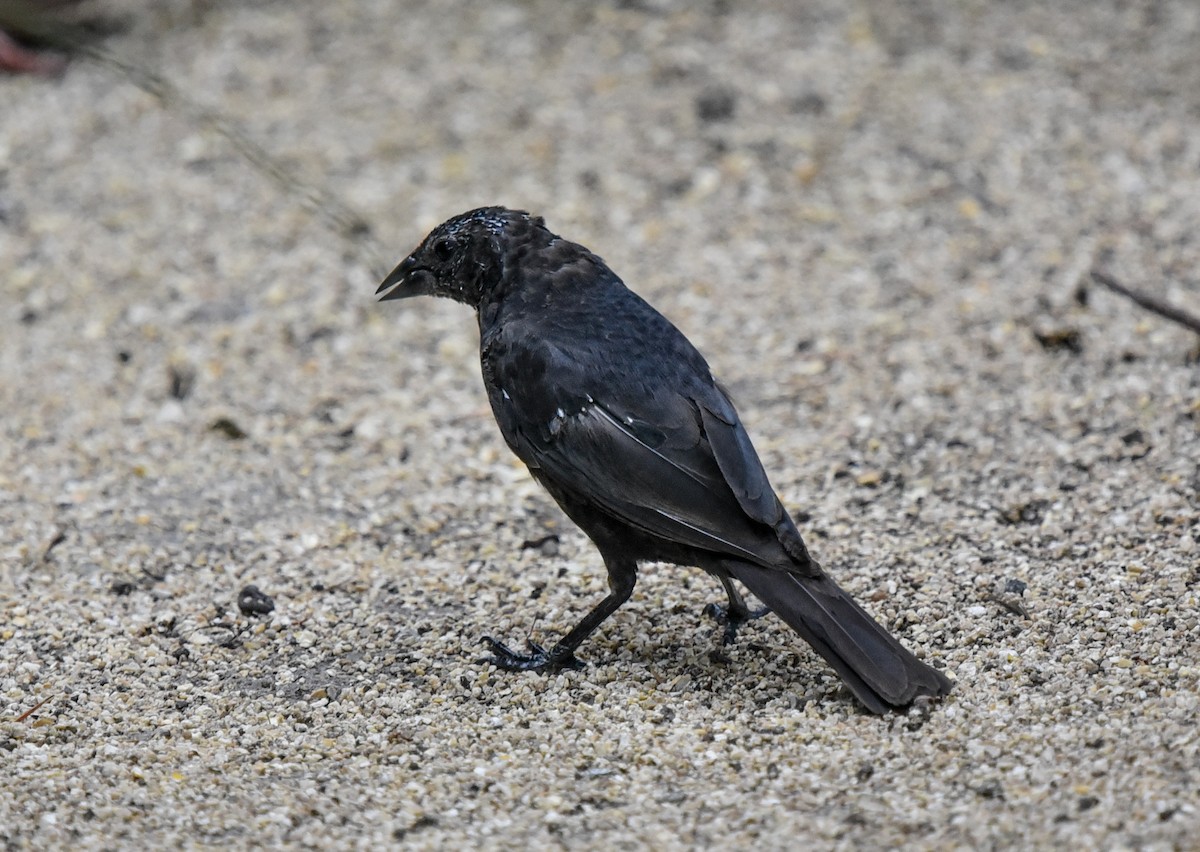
(538, 660)
(732, 619)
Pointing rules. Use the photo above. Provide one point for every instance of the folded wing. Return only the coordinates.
(673, 463)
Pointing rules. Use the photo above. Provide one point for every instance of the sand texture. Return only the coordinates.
(874, 219)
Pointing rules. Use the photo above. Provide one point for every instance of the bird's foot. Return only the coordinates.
(732, 618)
(538, 660)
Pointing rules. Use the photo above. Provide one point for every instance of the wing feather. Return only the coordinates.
(670, 461)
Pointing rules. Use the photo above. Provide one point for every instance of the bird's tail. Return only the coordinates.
(881, 672)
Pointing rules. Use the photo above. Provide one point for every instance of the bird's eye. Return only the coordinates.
(442, 249)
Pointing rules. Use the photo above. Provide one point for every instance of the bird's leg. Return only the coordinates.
(622, 576)
(735, 614)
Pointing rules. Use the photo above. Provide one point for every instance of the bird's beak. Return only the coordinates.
(407, 279)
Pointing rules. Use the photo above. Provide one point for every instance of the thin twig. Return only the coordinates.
(33, 709)
(336, 215)
(1150, 303)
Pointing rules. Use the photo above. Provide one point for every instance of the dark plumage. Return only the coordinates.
(619, 417)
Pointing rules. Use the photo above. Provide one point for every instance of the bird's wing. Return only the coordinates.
(738, 461)
(744, 473)
(672, 464)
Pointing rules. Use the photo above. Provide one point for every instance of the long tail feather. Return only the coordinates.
(881, 672)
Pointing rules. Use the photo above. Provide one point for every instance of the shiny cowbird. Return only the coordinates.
(618, 416)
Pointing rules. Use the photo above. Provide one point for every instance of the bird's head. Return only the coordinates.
(460, 259)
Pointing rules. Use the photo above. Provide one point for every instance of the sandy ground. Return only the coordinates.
(873, 218)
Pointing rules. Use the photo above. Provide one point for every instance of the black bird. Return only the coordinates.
(620, 418)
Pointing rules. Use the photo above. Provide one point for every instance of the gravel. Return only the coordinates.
(873, 219)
